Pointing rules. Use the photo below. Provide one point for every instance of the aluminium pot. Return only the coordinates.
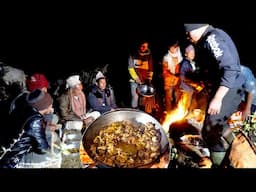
(146, 90)
(119, 115)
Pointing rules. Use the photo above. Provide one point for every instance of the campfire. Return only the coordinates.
(181, 123)
(177, 114)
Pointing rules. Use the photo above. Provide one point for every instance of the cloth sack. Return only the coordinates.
(242, 152)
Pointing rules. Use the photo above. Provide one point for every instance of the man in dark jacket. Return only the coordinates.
(219, 61)
(101, 98)
(28, 129)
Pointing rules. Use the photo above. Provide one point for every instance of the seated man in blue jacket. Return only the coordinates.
(101, 98)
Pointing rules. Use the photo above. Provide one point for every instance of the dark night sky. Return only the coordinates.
(61, 41)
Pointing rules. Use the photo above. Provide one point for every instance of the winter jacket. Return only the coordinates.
(65, 107)
(26, 134)
(101, 101)
(186, 71)
(219, 59)
(140, 65)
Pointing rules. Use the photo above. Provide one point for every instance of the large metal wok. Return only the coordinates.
(118, 115)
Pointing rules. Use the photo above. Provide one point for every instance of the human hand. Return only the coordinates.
(88, 120)
(215, 106)
(138, 81)
(245, 114)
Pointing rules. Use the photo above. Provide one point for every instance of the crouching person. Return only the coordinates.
(26, 143)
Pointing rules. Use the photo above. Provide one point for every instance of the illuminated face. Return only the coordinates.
(102, 83)
(174, 49)
(190, 55)
(143, 47)
(77, 89)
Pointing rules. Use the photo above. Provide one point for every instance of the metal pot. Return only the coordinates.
(146, 90)
(118, 115)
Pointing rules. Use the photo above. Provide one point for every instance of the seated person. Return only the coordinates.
(39, 81)
(72, 103)
(26, 133)
(101, 98)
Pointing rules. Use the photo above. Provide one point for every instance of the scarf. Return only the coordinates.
(78, 104)
(171, 57)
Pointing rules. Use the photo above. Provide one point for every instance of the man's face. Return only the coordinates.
(143, 47)
(190, 55)
(190, 38)
(102, 83)
(77, 89)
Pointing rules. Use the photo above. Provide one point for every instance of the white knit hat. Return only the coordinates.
(99, 75)
(72, 81)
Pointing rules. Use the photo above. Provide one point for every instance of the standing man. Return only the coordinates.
(219, 60)
(140, 67)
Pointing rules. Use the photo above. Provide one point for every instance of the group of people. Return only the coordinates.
(230, 86)
(35, 116)
(176, 67)
(217, 65)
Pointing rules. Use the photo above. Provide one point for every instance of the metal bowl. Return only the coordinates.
(146, 90)
(119, 115)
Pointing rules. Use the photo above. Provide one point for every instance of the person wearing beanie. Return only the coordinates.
(72, 103)
(101, 97)
(27, 143)
(220, 69)
(39, 81)
(40, 100)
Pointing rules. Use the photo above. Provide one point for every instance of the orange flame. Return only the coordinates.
(177, 114)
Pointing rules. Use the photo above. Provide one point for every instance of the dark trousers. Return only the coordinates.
(216, 125)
